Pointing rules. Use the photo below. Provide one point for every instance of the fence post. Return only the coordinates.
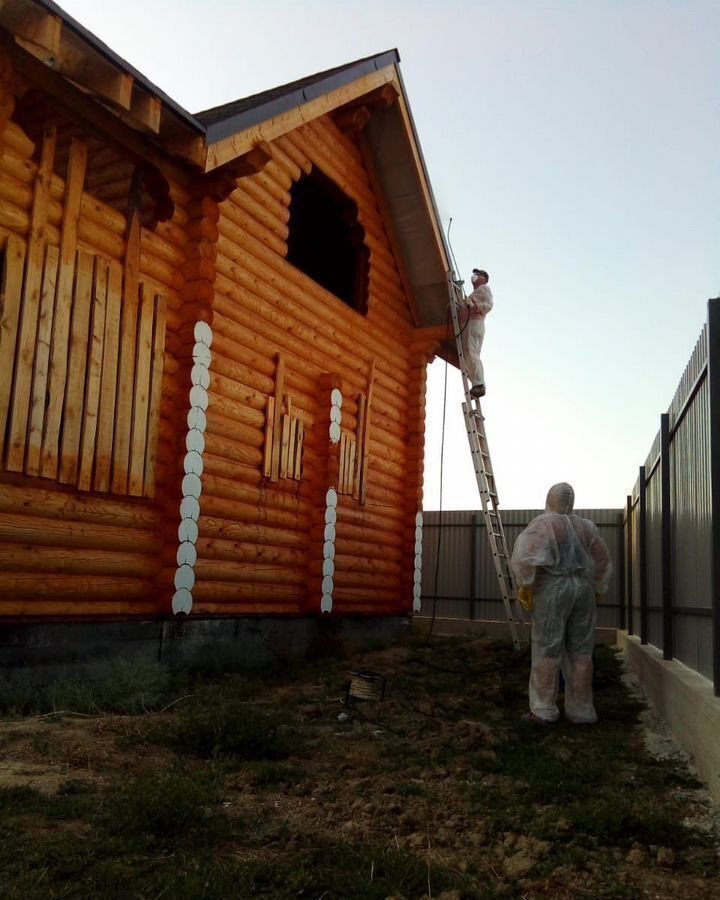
(666, 538)
(629, 565)
(713, 339)
(621, 573)
(642, 548)
(474, 519)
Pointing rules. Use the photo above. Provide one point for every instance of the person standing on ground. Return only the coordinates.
(562, 567)
(476, 306)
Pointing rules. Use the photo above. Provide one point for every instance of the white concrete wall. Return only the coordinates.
(685, 700)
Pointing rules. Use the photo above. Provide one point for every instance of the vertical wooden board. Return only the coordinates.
(351, 468)
(10, 294)
(156, 375)
(108, 383)
(94, 375)
(63, 307)
(358, 442)
(341, 473)
(285, 445)
(30, 307)
(77, 366)
(269, 422)
(366, 433)
(141, 401)
(279, 385)
(126, 365)
(290, 465)
(299, 450)
(42, 361)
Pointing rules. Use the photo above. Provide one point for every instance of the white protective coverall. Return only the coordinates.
(477, 306)
(563, 560)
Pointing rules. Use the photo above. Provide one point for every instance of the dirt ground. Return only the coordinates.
(272, 785)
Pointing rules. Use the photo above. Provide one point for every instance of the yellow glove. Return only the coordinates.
(525, 596)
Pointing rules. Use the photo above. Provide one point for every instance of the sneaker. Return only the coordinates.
(477, 390)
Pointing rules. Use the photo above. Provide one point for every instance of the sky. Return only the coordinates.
(575, 144)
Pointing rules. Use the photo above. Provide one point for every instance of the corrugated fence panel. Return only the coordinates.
(691, 522)
(654, 556)
(461, 564)
(454, 537)
(694, 371)
(635, 550)
(632, 534)
(692, 533)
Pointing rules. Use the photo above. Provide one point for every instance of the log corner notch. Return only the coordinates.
(353, 117)
(436, 340)
(221, 182)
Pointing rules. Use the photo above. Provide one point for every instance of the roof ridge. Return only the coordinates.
(229, 118)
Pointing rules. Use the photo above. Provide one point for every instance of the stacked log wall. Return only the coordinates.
(71, 551)
(249, 545)
(264, 305)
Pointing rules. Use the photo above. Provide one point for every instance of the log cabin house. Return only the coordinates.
(214, 336)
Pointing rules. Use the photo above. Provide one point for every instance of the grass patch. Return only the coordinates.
(269, 774)
(346, 872)
(548, 776)
(622, 821)
(214, 726)
(72, 801)
(432, 790)
(124, 686)
(163, 811)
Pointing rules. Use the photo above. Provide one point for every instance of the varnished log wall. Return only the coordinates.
(261, 543)
(83, 496)
(192, 524)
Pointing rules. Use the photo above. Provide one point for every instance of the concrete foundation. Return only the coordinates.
(55, 650)
(685, 700)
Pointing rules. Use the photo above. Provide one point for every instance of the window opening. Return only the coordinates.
(326, 240)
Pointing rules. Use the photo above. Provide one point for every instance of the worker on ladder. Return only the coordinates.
(472, 316)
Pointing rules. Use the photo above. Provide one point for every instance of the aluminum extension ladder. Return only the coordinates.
(475, 426)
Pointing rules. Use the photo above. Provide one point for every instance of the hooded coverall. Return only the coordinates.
(477, 306)
(562, 560)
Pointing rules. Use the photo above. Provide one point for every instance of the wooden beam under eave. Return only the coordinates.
(180, 142)
(34, 28)
(92, 72)
(354, 119)
(89, 114)
(117, 87)
(238, 144)
(146, 111)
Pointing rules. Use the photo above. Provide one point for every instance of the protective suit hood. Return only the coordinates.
(560, 499)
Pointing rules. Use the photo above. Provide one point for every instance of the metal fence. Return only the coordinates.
(465, 578)
(671, 523)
